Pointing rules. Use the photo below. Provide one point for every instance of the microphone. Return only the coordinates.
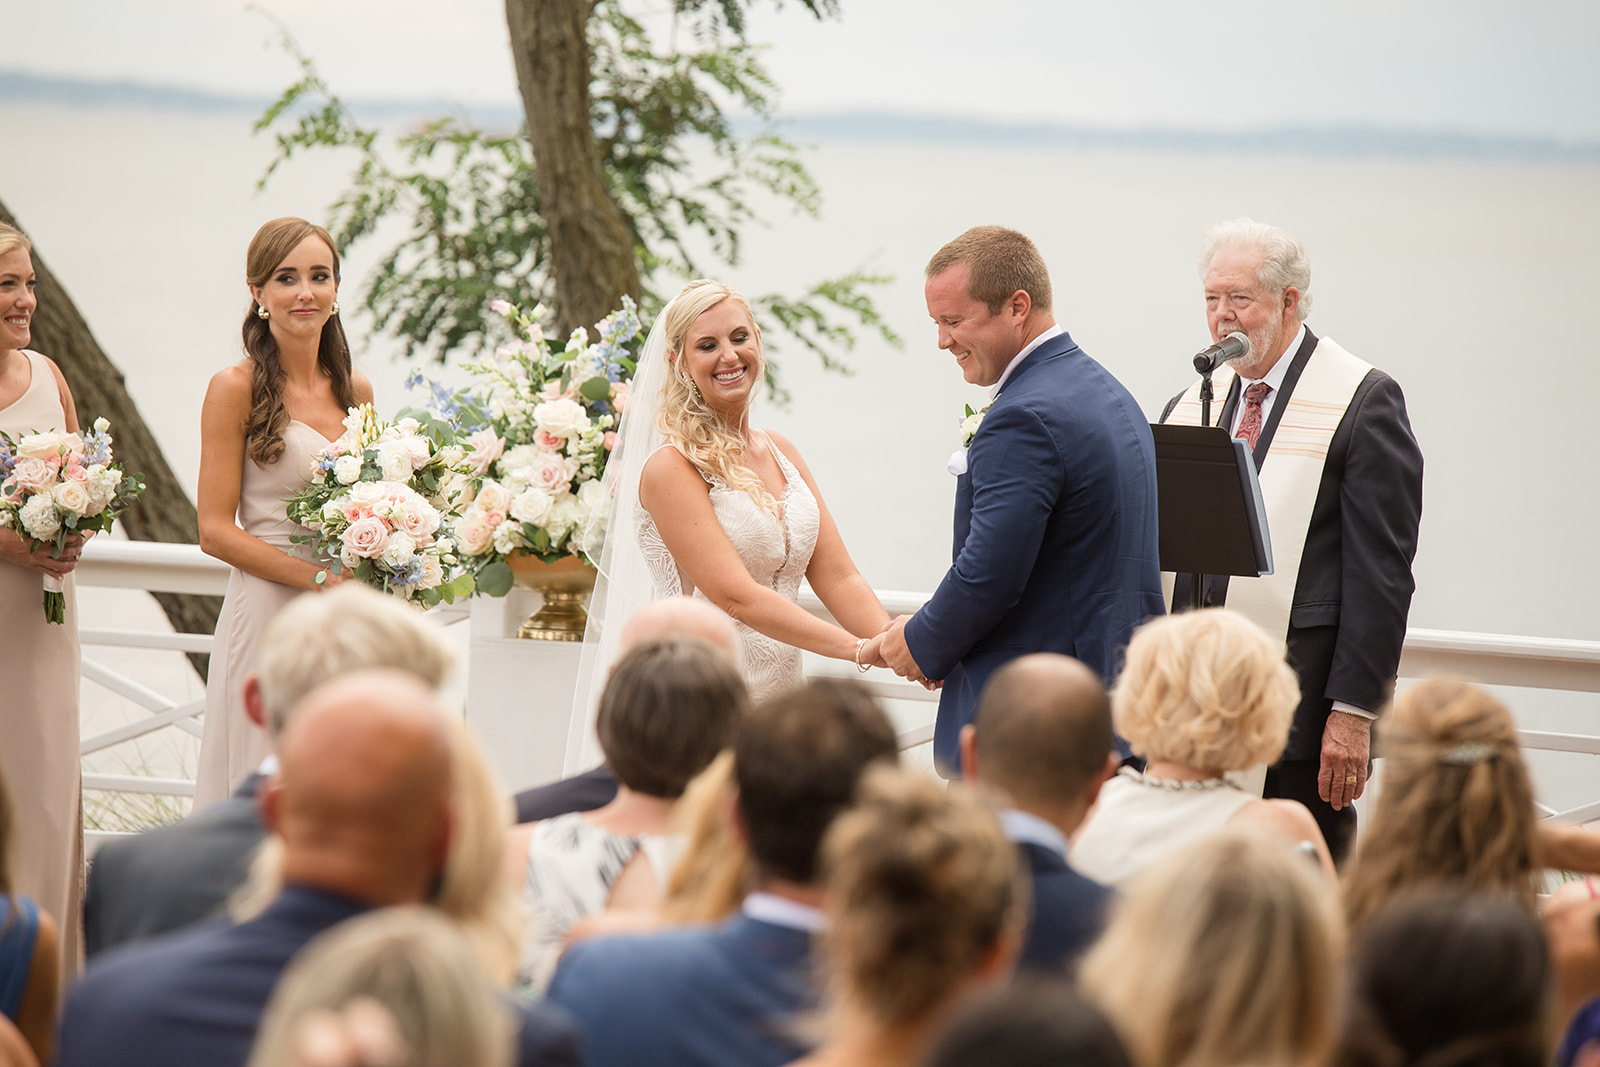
(1234, 346)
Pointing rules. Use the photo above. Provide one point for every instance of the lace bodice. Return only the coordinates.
(775, 553)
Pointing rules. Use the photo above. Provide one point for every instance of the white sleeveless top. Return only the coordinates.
(1137, 820)
(775, 552)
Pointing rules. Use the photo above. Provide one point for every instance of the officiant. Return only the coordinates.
(1341, 477)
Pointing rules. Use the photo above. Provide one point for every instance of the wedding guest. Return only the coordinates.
(1030, 1024)
(263, 420)
(30, 961)
(925, 908)
(14, 1050)
(1203, 697)
(1448, 976)
(1055, 514)
(398, 987)
(39, 715)
(362, 802)
(659, 620)
(668, 709)
(171, 876)
(728, 512)
(1227, 951)
(731, 994)
(1041, 735)
(1456, 805)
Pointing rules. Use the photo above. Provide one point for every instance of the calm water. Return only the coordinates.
(1471, 282)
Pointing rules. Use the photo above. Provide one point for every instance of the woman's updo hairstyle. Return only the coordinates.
(268, 416)
(12, 239)
(922, 886)
(700, 433)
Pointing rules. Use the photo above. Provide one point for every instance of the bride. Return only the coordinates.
(710, 506)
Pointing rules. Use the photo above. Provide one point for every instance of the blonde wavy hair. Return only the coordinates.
(701, 434)
(1224, 954)
(1456, 805)
(1207, 689)
(12, 239)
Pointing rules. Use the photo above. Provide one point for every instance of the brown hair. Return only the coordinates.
(1000, 262)
(268, 416)
(922, 886)
(1456, 805)
(797, 761)
(668, 708)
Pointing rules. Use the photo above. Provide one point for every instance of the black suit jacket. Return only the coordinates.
(1347, 622)
(582, 792)
(196, 996)
(1068, 912)
(171, 876)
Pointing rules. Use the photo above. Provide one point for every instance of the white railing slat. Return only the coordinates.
(138, 783)
(174, 642)
(123, 686)
(171, 717)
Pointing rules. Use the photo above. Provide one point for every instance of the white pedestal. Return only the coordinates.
(519, 693)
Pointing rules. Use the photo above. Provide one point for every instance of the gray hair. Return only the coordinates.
(1284, 261)
(319, 636)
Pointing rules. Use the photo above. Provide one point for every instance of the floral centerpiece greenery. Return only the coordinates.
(539, 427)
(54, 485)
(379, 503)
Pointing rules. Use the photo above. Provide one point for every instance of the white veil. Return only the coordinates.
(623, 584)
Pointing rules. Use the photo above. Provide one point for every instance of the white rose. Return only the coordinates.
(366, 494)
(101, 425)
(73, 497)
(492, 496)
(419, 448)
(561, 418)
(398, 550)
(520, 457)
(45, 445)
(332, 512)
(348, 557)
(39, 517)
(505, 538)
(564, 515)
(532, 505)
(452, 455)
(408, 426)
(474, 536)
(346, 469)
(432, 573)
(394, 459)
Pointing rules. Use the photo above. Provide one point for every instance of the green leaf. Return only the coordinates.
(494, 579)
(595, 389)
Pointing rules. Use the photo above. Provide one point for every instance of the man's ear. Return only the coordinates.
(1291, 303)
(252, 700)
(967, 744)
(1020, 305)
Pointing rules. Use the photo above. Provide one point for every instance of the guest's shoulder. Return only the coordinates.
(633, 960)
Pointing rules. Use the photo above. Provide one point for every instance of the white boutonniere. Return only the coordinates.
(969, 429)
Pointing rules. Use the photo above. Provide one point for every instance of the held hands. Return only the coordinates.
(1346, 749)
(14, 549)
(889, 649)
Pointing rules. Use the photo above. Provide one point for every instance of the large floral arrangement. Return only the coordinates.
(379, 503)
(54, 485)
(539, 427)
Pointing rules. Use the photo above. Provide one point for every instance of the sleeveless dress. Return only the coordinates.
(1137, 820)
(19, 931)
(39, 711)
(569, 871)
(232, 746)
(775, 552)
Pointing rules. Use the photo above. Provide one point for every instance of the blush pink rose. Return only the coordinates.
(474, 536)
(356, 512)
(619, 397)
(493, 518)
(485, 447)
(366, 537)
(610, 440)
(549, 442)
(33, 472)
(420, 522)
(551, 473)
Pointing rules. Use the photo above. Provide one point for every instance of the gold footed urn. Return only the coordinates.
(564, 585)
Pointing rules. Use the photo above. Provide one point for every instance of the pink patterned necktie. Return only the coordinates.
(1250, 425)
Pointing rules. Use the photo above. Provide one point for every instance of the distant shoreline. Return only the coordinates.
(1334, 141)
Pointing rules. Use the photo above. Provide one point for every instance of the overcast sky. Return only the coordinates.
(1528, 68)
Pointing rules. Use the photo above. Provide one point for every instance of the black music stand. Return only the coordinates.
(1212, 517)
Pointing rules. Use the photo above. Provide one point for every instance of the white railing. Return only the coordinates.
(1496, 659)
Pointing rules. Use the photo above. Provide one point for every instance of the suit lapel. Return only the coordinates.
(1059, 345)
(1296, 368)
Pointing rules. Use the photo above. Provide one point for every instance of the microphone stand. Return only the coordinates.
(1203, 365)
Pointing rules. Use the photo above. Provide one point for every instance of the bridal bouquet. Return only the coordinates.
(54, 485)
(379, 501)
(539, 430)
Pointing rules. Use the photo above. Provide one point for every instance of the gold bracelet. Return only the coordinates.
(862, 667)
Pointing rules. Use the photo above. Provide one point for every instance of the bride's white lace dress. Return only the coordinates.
(776, 553)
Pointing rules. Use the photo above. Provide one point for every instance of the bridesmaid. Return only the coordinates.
(263, 421)
(39, 660)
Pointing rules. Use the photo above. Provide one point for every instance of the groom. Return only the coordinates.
(1055, 524)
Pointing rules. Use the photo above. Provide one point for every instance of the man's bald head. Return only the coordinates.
(362, 797)
(1042, 732)
(676, 617)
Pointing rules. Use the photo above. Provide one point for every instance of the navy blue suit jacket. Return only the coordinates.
(196, 996)
(582, 792)
(1068, 912)
(719, 996)
(1055, 535)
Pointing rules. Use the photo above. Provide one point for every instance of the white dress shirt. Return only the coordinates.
(1027, 350)
(1274, 380)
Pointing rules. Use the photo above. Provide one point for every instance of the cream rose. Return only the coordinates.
(394, 460)
(73, 497)
(419, 520)
(432, 573)
(51, 445)
(367, 494)
(492, 496)
(366, 537)
(561, 417)
(532, 505)
(474, 536)
(397, 550)
(347, 469)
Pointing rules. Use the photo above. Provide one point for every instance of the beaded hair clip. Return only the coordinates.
(1466, 755)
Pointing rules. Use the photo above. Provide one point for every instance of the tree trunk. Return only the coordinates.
(164, 512)
(591, 245)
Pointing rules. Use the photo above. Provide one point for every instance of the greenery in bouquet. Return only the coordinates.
(538, 427)
(56, 485)
(380, 502)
